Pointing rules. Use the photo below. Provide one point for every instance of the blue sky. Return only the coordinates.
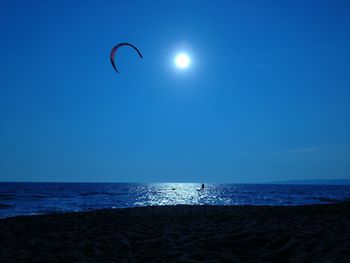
(266, 97)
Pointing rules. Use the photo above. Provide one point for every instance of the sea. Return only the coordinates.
(42, 198)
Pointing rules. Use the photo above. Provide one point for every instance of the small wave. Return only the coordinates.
(36, 196)
(100, 193)
(50, 210)
(7, 196)
(4, 206)
(327, 200)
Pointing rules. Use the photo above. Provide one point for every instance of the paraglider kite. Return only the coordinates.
(114, 50)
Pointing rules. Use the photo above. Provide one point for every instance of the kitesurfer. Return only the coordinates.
(114, 50)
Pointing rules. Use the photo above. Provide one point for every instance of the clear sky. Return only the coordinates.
(266, 97)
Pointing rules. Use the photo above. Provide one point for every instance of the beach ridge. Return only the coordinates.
(182, 233)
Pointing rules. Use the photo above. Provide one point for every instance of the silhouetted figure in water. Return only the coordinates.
(200, 189)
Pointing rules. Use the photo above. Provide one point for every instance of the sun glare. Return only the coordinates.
(182, 61)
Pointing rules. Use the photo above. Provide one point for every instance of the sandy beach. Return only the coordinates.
(312, 233)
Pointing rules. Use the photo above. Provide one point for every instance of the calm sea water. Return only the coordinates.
(42, 198)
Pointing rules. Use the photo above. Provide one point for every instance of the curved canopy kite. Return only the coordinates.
(114, 50)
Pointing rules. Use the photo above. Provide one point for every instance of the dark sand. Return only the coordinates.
(316, 233)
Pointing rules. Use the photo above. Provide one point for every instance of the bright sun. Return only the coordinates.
(182, 61)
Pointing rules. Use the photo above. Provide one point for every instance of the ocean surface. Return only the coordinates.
(42, 198)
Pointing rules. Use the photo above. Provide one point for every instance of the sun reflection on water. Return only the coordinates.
(174, 194)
